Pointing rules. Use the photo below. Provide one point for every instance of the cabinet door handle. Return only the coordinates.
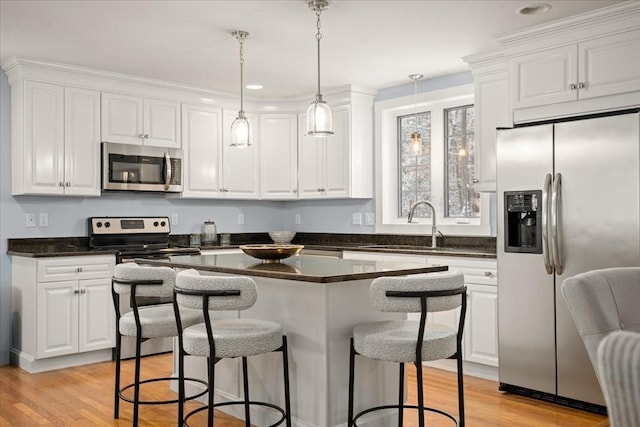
(83, 291)
(76, 292)
(67, 184)
(141, 135)
(61, 184)
(79, 269)
(581, 85)
(146, 136)
(488, 273)
(573, 86)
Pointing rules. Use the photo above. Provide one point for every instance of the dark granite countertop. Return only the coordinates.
(301, 268)
(459, 246)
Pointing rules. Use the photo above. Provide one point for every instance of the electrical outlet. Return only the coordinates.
(240, 218)
(174, 219)
(369, 218)
(297, 219)
(356, 218)
(30, 219)
(43, 219)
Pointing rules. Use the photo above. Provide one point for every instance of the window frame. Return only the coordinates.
(386, 164)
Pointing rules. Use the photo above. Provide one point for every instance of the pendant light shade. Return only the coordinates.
(240, 126)
(319, 122)
(416, 138)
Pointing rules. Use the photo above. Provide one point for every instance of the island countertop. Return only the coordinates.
(305, 268)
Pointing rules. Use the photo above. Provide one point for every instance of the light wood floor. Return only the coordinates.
(82, 396)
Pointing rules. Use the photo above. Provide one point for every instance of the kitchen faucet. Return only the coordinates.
(434, 229)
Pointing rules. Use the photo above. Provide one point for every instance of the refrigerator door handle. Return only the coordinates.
(546, 249)
(555, 225)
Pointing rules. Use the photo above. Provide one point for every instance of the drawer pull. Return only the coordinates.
(488, 273)
(76, 292)
(79, 269)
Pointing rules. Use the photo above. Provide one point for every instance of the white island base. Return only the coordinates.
(318, 319)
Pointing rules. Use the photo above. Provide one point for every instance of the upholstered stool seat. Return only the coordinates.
(152, 321)
(233, 338)
(410, 341)
(156, 321)
(218, 339)
(395, 341)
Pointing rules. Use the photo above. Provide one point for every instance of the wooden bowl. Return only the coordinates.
(271, 253)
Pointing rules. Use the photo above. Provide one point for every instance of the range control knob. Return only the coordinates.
(98, 224)
(163, 223)
(107, 224)
(155, 223)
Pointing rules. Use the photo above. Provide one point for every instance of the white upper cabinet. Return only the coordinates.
(135, 120)
(324, 163)
(278, 156)
(591, 75)
(339, 166)
(240, 168)
(55, 140)
(492, 110)
(214, 169)
(81, 142)
(545, 77)
(202, 151)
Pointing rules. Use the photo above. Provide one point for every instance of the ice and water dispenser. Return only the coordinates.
(523, 221)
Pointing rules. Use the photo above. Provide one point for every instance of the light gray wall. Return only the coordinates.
(67, 215)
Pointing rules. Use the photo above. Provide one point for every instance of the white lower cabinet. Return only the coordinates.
(65, 309)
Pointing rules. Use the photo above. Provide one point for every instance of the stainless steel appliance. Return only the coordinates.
(137, 237)
(141, 168)
(569, 194)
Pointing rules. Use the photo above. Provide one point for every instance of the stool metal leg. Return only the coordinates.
(136, 392)
(401, 395)
(460, 391)
(212, 387)
(245, 381)
(116, 401)
(352, 356)
(285, 367)
(420, 394)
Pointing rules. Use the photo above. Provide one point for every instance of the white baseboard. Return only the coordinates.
(31, 365)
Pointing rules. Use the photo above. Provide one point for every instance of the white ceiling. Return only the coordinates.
(373, 43)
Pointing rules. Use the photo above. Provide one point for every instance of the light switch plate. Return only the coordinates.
(369, 218)
(174, 219)
(43, 219)
(240, 218)
(356, 218)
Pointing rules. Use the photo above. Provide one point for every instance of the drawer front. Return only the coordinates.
(76, 268)
(475, 270)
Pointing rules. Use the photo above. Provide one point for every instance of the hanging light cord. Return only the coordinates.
(415, 103)
(241, 40)
(318, 37)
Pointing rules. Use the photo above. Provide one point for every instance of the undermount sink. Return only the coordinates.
(405, 247)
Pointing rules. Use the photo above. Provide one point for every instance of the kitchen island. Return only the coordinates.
(318, 300)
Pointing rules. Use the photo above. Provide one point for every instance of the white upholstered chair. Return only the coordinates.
(619, 367)
(409, 341)
(151, 321)
(217, 339)
(602, 302)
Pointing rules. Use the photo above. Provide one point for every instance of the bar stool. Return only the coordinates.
(217, 339)
(143, 323)
(398, 340)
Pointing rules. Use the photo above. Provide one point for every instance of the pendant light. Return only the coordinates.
(240, 126)
(416, 138)
(319, 121)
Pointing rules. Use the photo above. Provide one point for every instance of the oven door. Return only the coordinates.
(141, 168)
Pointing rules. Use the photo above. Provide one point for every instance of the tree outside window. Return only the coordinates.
(461, 200)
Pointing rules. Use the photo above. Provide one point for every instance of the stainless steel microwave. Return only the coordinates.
(141, 168)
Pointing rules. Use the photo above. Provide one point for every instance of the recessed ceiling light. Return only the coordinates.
(535, 9)
(254, 87)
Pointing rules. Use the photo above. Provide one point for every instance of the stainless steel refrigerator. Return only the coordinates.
(568, 202)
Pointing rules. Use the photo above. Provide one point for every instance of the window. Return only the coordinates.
(460, 198)
(441, 172)
(415, 164)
